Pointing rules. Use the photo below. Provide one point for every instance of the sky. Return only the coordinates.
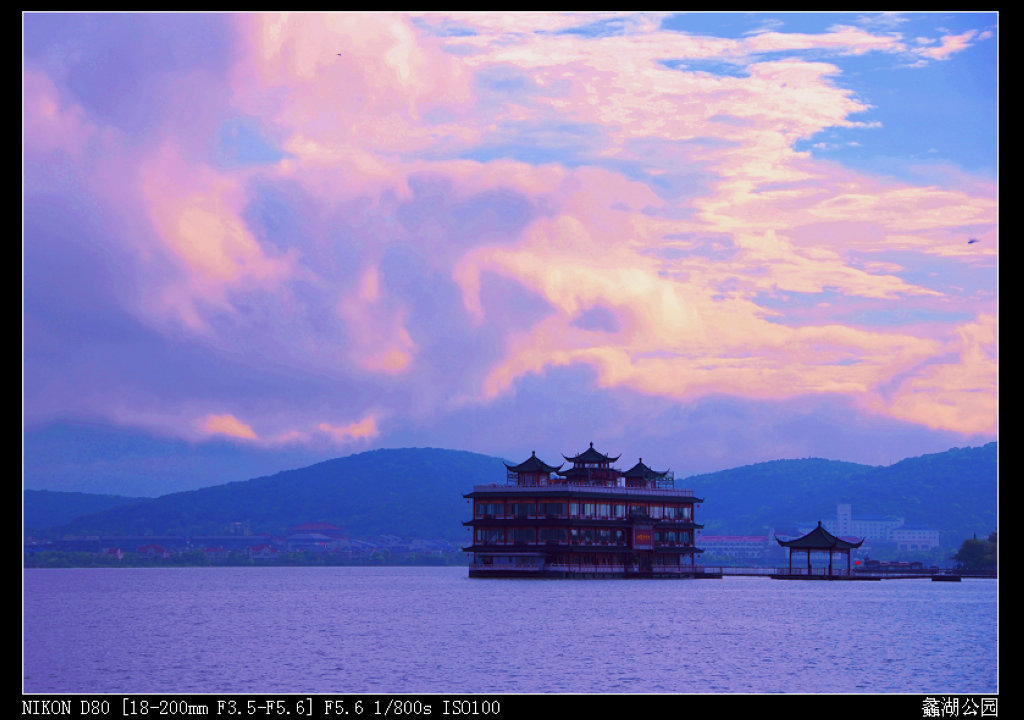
(252, 242)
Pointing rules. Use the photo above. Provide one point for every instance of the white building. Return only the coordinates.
(913, 537)
(888, 528)
(741, 547)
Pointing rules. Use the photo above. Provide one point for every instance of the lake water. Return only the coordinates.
(433, 630)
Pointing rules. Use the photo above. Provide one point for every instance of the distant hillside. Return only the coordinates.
(747, 500)
(45, 509)
(955, 492)
(414, 492)
(418, 493)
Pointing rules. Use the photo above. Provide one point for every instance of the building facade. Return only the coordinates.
(886, 528)
(589, 520)
(736, 549)
(915, 537)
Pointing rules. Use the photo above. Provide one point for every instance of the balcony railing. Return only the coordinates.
(619, 569)
(596, 518)
(595, 544)
(532, 488)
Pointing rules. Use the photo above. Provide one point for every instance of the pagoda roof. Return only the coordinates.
(591, 455)
(820, 538)
(533, 464)
(642, 471)
(577, 471)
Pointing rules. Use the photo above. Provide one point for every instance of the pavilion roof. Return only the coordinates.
(820, 538)
(642, 471)
(590, 455)
(533, 464)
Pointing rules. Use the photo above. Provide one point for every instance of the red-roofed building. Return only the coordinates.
(318, 528)
(156, 551)
(215, 553)
(263, 552)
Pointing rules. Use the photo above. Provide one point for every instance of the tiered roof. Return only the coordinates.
(533, 465)
(643, 472)
(820, 539)
(591, 466)
(591, 456)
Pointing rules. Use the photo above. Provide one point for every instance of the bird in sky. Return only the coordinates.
(972, 241)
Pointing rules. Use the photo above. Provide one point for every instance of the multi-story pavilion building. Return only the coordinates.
(589, 520)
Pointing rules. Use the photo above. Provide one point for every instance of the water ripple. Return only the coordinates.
(415, 630)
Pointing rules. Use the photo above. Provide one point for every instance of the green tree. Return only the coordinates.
(975, 554)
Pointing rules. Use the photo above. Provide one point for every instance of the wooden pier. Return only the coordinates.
(823, 573)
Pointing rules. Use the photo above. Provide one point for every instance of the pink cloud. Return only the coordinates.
(961, 394)
(677, 335)
(227, 424)
(348, 82)
(841, 38)
(949, 45)
(379, 341)
(196, 214)
(50, 122)
(364, 429)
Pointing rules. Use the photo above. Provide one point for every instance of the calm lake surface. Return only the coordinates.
(433, 630)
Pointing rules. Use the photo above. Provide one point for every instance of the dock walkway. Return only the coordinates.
(786, 573)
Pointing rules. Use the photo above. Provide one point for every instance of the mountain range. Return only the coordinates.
(418, 492)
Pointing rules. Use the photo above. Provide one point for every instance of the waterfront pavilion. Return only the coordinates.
(820, 540)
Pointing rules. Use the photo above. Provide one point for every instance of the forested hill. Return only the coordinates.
(955, 492)
(49, 508)
(417, 492)
(411, 492)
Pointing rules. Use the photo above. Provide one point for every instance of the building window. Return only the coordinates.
(524, 535)
(523, 509)
(490, 509)
(490, 536)
(552, 535)
(552, 509)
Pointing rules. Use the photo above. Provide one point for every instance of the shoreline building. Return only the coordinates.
(737, 549)
(589, 520)
(886, 528)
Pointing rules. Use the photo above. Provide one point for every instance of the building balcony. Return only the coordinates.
(548, 488)
(585, 544)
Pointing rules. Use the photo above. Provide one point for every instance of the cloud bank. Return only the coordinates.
(335, 228)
